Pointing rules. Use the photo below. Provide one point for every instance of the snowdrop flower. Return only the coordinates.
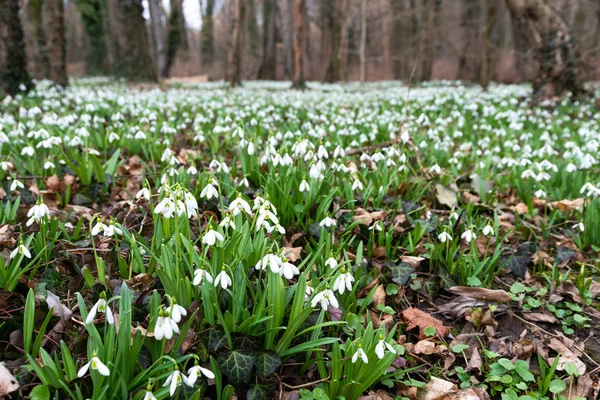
(99, 227)
(112, 137)
(166, 207)
(209, 191)
(360, 353)
(196, 371)
(357, 184)
(488, 230)
(37, 213)
(540, 194)
(444, 236)
(140, 135)
(288, 270)
(211, 237)
(200, 275)
(223, 279)
(6, 165)
(579, 226)
(49, 165)
(174, 380)
(381, 346)
(376, 226)
(96, 365)
(192, 170)
(325, 298)
(238, 205)
(227, 222)
(111, 230)
(571, 167)
(468, 235)
(102, 306)
(165, 326)
(308, 291)
(28, 151)
(277, 228)
(21, 249)
(143, 193)
(343, 282)
(304, 186)
(331, 262)
(435, 169)
(149, 395)
(327, 222)
(270, 260)
(175, 310)
(453, 216)
(16, 184)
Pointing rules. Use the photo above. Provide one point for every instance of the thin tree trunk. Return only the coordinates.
(40, 59)
(397, 42)
(235, 56)
(428, 39)
(13, 64)
(136, 55)
(330, 40)
(490, 19)
(299, 11)
(269, 58)
(555, 48)
(363, 42)
(158, 43)
(207, 47)
(469, 22)
(57, 43)
(176, 36)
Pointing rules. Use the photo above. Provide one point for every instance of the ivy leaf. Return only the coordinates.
(237, 365)
(266, 363)
(246, 342)
(216, 338)
(400, 273)
(260, 392)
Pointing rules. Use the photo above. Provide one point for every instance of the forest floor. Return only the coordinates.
(193, 241)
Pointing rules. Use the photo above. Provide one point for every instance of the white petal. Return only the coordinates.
(84, 369)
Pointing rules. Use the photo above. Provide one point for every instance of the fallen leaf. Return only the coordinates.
(379, 296)
(412, 260)
(541, 317)
(475, 362)
(8, 383)
(499, 296)
(520, 208)
(417, 318)
(567, 205)
(427, 348)
(436, 389)
(292, 254)
(378, 395)
(445, 196)
(468, 394)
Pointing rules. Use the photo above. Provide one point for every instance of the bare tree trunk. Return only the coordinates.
(469, 22)
(555, 48)
(269, 52)
(207, 47)
(158, 43)
(56, 42)
(136, 55)
(363, 42)
(399, 32)
(176, 36)
(251, 41)
(40, 58)
(13, 65)
(235, 56)
(330, 40)
(490, 19)
(299, 11)
(428, 39)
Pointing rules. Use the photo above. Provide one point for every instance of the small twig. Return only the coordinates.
(304, 384)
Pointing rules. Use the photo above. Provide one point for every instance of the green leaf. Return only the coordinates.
(266, 363)
(571, 369)
(216, 338)
(459, 348)
(237, 366)
(429, 331)
(40, 392)
(522, 368)
(506, 363)
(260, 392)
(557, 386)
(320, 394)
(400, 273)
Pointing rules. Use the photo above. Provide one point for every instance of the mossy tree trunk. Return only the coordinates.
(13, 64)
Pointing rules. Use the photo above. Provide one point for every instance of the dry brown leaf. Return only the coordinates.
(378, 395)
(436, 389)
(417, 318)
(499, 296)
(427, 348)
(6, 239)
(567, 205)
(475, 362)
(445, 196)
(412, 260)
(469, 394)
(520, 208)
(379, 296)
(8, 383)
(541, 317)
(292, 254)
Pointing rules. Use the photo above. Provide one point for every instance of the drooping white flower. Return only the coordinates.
(381, 346)
(579, 226)
(223, 279)
(165, 326)
(238, 205)
(327, 222)
(209, 191)
(211, 237)
(96, 365)
(20, 249)
(143, 193)
(100, 306)
(435, 169)
(149, 395)
(176, 312)
(468, 235)
(227, 222)
(331, 262)
(174, 380)
(304, 186)
(488, 230)
(444, 236)
(288, 270)
(28, 151)
(343, 282)
(270, 260)
(49, 165)
(166, 207)
(37, 213)
(325, 298)
(99, 227)
(196, 371)
(200, 275)
(360, 353)
(540, 194)
(16, 184)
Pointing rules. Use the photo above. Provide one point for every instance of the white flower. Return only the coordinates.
(140, 135)
(111, 230)
(149, 395)
(468, 235)
(143, 193)
(277, 228)
(165, 326)
(166, 207)
(28, 151)
(16, 184)
(579, 226)
(99, 227)
(238, 205)
(175, 380)
(211, 237)
(21, 249)
(37, 213)
(196, 371)
(209, 191)
(488, 230)
(357, 184)
(331, 262)
(49, 165)
(270, 260)
(102, 306)
(454, 216)
(227, 222)
(435, 169)
(308, 291)
(288, 270)
(327, 222)
(444, 236)
(381, 346)
(325, 298)
(200, 275)
(192, 170)
(343, 282)
(304, 186)
(112, 137)
(96, 364)
(360, 353)
(223, 279)
(540, 194)
(176, 311)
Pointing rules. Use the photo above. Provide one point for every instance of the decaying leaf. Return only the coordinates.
(445, 196)
(499, 296)
(567, 205)
(292, 254)
(417, 318)
(365, 217)
(436, 389)
(541, 317)
(8, 383)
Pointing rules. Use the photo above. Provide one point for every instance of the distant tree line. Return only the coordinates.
(555, 43)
